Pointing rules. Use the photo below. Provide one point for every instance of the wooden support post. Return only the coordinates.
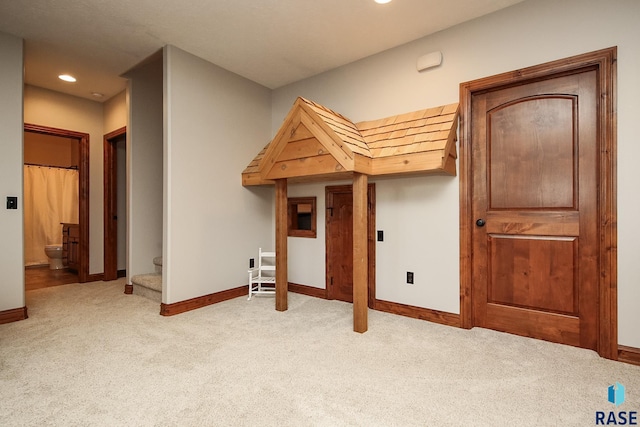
(282, 281)
(360, 253)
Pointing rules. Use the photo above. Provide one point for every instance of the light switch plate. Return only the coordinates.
(12, 202)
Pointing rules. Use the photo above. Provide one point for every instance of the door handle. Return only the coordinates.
(480, 222)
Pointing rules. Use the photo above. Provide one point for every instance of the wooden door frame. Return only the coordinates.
(604, 62)
(371, 241)
(111, 201)
(83, 189)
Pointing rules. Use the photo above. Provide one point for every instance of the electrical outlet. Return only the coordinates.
(252, 263)
(410, 277)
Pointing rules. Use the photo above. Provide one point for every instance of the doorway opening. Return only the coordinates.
(115, 204)
(81, 242)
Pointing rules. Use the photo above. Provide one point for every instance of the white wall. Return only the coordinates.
(305, 256)
(11, 223)
(144, 166)
(420, 215)
(121, 201)
(116, 112)
(54, 109)
(215, 123)
(400, 210)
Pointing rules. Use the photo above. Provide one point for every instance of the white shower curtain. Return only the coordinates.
(50, 198)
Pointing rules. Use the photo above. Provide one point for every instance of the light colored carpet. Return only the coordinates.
(90, 355)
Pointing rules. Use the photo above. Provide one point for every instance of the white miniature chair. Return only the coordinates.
(262, 280)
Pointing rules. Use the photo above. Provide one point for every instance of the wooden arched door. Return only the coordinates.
(538, 203)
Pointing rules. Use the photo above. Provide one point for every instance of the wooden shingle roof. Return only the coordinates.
(315, 142)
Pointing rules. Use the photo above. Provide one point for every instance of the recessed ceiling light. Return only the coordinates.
(67, 78)
(97, 94)
(382, 1)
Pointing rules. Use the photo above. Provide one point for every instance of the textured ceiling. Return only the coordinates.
(272, 42)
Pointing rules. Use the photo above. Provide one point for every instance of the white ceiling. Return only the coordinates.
(272, 42)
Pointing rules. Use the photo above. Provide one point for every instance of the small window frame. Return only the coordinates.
(293, 227)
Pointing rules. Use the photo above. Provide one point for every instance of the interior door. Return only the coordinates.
(535, 206)
(339, 242)
(339, 219)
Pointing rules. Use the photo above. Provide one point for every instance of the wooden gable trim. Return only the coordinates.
(251, 174)
(346, 130)
(315, 142)
(327, 137)
(305, 145)
(279, 142)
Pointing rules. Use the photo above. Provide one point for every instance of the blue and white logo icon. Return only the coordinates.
(616, 394)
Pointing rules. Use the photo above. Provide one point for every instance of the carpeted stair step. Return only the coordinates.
(148, 286)
(157, 261)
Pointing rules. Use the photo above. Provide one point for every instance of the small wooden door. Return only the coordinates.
(535, 208)
(339, 242)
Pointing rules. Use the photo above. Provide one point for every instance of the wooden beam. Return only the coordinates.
(282, 280)
(360, 253)
(362, 164)
(430, 161)
(249, 179)
(317, 165)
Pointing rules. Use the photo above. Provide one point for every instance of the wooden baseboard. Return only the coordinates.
(95, 277)
(13, 315)
(434, 316)
(629, 355)
(307, 290)
(122, 273)
(203, 301)
(128, 289)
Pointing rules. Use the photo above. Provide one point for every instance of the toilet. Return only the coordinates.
(54, 252)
